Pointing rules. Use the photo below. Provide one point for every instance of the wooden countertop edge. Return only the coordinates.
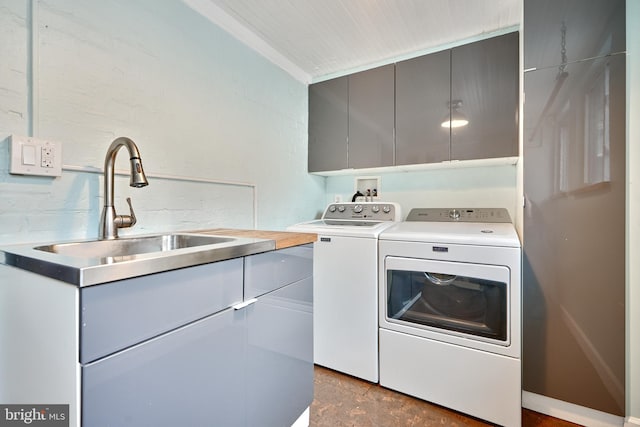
(283, 239)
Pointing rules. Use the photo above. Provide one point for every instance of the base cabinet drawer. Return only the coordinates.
(272, 270)
(123, 313)
(193, 376)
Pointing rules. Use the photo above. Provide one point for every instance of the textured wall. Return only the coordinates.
(196, 101)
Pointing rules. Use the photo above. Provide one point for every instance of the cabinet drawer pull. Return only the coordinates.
(244, 304)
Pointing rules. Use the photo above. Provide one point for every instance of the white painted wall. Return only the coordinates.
(633, 217)
(197, 102)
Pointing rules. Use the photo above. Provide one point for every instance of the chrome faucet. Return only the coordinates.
(109, 220)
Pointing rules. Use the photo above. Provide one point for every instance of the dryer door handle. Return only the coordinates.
(440, 279)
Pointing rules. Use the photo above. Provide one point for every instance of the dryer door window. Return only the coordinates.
(461, 298)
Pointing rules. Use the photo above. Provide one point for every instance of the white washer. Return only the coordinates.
(450, 311)
(345, 285)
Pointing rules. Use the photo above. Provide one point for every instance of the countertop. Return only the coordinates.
(283, 239)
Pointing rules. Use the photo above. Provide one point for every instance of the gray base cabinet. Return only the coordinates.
(244, 365)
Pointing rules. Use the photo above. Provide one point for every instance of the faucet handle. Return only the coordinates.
(132, 215)
(123, 221)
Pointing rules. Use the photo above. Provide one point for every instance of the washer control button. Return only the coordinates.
(454, 214)
(357, 208)
(386, 209)
(375, 208)
(341, 208)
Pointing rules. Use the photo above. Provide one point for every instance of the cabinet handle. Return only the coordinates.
(244, 304)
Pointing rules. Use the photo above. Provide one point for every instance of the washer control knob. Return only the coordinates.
(357, 208)
(386, 209)
(454, 214)
(341, 208)
(375, 208)
(332, 208)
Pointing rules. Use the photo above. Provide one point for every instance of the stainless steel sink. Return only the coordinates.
(92, 262)
(132, 246)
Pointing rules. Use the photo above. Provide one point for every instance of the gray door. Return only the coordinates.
(422, 103)
(574, 233)
(328, 125)
(574, 183)
(371, 117)
(485, 80)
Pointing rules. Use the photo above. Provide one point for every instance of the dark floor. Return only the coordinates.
(341, 401)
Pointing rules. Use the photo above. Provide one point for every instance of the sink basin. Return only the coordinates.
(92, 262)
(132, 245)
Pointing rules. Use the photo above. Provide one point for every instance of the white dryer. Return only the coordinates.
(345, 285)
(450, 311)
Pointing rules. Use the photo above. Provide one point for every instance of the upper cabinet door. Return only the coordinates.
(589, 29)
(328, 125)
(371, 117)
(422, 103)
(484, 85)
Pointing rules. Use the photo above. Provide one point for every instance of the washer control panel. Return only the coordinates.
(459, 215)
(370, 211)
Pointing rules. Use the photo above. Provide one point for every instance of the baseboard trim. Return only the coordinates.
(571, 412)
(632, 422)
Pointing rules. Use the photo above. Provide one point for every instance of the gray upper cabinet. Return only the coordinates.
(371, 118)
(393, 115)
(328, 125)
(351, 121)
(422, 102)
(591, 29)
(485, 83)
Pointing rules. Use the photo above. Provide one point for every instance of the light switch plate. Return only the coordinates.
(34, 156)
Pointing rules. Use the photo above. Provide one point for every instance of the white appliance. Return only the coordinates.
(450, 311)
(345, 285)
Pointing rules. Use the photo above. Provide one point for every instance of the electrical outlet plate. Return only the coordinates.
(33, 156)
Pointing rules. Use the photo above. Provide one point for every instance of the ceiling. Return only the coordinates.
(317, 39)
